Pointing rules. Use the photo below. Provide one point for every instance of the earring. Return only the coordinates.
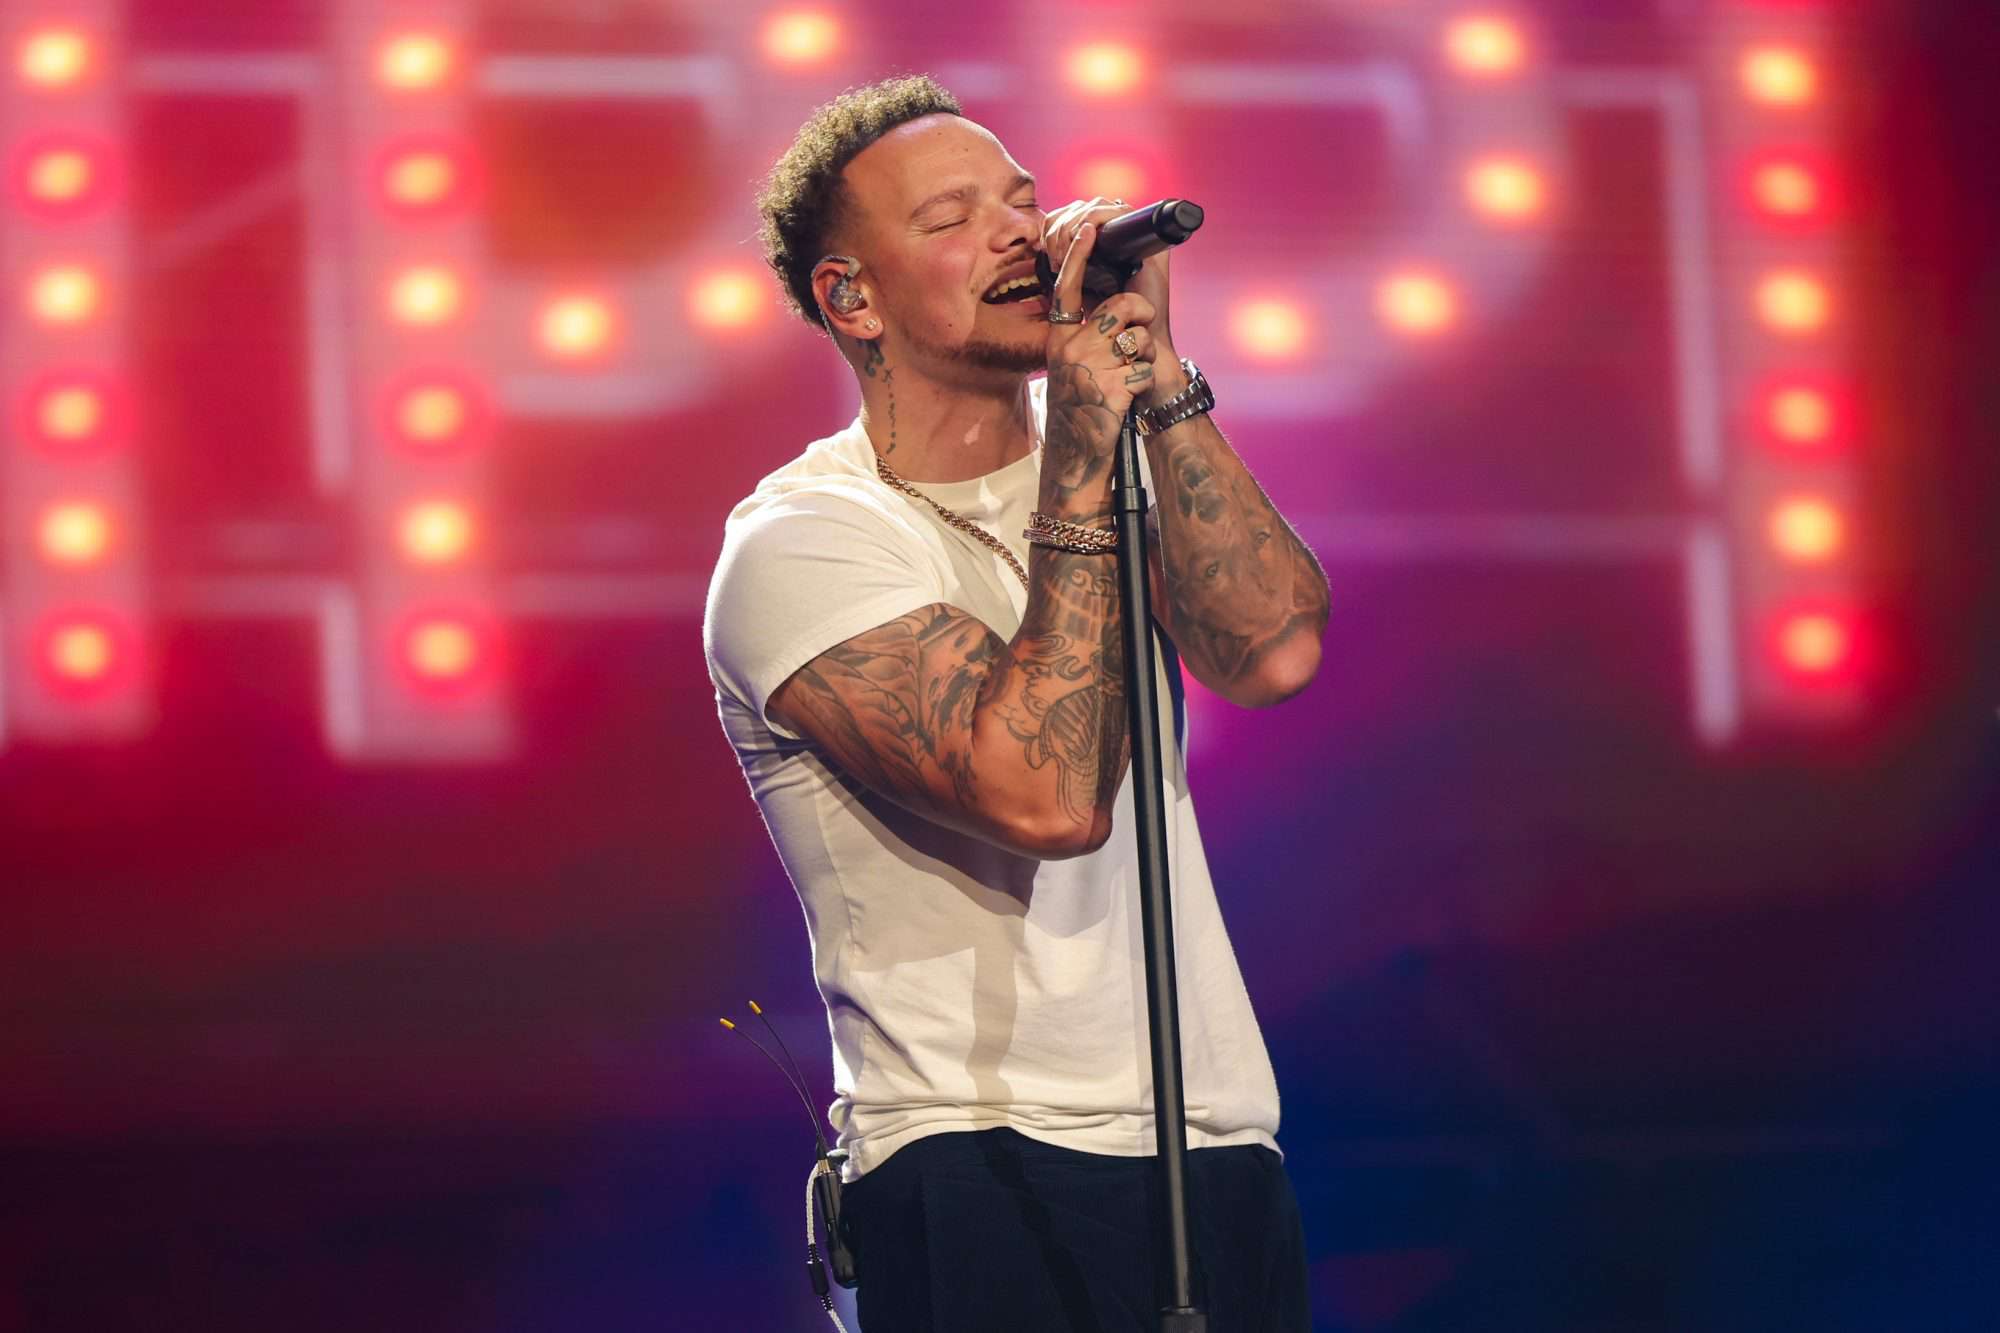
(872, 325)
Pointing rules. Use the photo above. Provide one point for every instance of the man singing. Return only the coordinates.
(914, 632)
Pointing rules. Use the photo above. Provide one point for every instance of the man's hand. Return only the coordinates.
(1090, 382)
(1151, 281)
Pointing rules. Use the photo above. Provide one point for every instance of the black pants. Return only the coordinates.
(994, 1232)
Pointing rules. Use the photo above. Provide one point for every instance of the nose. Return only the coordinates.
(1025, 226)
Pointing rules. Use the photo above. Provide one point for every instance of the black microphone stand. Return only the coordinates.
(1181, 1314)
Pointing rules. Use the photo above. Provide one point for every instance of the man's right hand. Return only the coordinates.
(1090, 386)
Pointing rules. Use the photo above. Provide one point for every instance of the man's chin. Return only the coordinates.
(1018, 358)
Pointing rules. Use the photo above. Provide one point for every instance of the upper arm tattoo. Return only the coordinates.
(890, 705)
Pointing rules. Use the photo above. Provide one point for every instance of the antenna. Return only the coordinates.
(792, 1076)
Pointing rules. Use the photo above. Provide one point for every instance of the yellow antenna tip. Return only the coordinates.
(754, 1009)
(731, 1026)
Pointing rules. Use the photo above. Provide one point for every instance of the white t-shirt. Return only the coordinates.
(966, 987)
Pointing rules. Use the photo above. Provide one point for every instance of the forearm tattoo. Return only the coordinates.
(1081, 426)
(1239, 582)
(1069, 711)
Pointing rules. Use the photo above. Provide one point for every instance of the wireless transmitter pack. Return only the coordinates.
(822, 1183)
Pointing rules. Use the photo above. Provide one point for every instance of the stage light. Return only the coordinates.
(800, 38)
(1419, 304)
(1506, 189)
(84, 653)
(426, 177)
(1269, 329)
(54, 58)
(1807, 529)
(576, 327)
(433, 413)
(62, 177)
(1780, 76)
(1801, 416)
(73, 413)
(426, 295)
(65, 295)
(1104, 69)
(1794, 302)
(1485, 46)
(1108, 177)
(75, 534)
(1815, 645)
(1788, 190)
(435, 532)
(415, 62)
(446, 653)
(728, 299)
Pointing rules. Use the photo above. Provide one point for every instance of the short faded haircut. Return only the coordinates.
(804, 200)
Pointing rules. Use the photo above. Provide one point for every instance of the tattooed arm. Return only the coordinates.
(1245, 602)
(1020, 742)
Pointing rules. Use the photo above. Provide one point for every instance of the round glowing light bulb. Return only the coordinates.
(54, 58)
(1269, 329)
(1506, 189)
(1807, 529)
(1104, 69)
(730, 299)
(800, 37)
(1419, 304)
(426, 295)
(420, 179)
(70, 413)
(415, 61)
(1800, 416)
(431, 413)
(1110, 178)
(576, 327)
(74, 533)
(80, 651)
(64, 294)
(440, 649)
(1794, 302)
(436, 532)
(1814, 643)
(58, 175)
(1787, 190)
(1779, 76)
(1485, 45)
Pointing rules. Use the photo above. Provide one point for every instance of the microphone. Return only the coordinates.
(1124, 242)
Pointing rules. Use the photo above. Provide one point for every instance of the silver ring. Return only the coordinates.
(1064, 316)
(1126, 344)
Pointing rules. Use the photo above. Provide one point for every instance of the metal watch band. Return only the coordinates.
(1189, 402)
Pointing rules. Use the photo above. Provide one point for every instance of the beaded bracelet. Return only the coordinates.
(1045, 530)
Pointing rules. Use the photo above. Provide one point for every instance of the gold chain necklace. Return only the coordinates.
(959, 521)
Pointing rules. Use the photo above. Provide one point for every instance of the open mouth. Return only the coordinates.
(1014, 291)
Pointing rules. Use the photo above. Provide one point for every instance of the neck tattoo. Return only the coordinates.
(876, 366)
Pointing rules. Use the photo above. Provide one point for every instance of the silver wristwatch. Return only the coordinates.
(1189, 402)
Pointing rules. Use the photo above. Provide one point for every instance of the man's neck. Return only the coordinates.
(928, 431)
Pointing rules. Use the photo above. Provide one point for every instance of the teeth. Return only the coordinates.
(1012, 284)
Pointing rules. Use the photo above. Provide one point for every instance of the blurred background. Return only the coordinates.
(1618, 904)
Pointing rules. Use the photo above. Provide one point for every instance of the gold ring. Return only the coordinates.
(1126, 345)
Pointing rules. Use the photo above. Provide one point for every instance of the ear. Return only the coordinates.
(843, 298)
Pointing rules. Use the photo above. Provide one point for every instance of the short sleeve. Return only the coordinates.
(799, 576)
